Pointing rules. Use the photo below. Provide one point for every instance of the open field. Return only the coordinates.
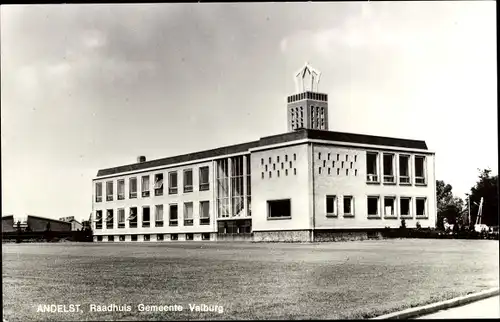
(250, 281)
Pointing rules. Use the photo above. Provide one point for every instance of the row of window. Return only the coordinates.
(173, 216)
(158, 185)
(146, 237)
(278, 159)
(278, 173)
(389, 168)
(338, 158)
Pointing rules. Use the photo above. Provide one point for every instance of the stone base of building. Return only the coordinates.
(345, 235)
(287, 236)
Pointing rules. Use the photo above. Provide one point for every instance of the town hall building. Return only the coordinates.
(308, 184)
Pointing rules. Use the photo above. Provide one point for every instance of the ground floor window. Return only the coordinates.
(241, 226)
(159, 237)
(279, 209)
(133, 238)
(205, 236)
(122, 238)
(331, 206)
(174, 237)
(146, 237)
(189, 237)
(373, 206)
(420, 204)
(348, 208)
(99, 238)
(404, 204)
(389, 203)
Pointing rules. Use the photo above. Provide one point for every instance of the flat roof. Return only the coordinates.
(270, 140)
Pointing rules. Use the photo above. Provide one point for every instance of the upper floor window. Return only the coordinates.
(121, 218)
(159, 184)
(132, 188)
(204, 212)
(204, 182)
(109, 190)
(404, 169)
(172, 182)
(121, 189)
(388, 168)
(132, 218)
(98, 192)
(188, 214)
(331, 206)
(173, 215)
(145, 186)
(146, 216)
(188, 180)
(420, 170)
(405, 206)
(159, 216)
(109, 219)
(372, 166)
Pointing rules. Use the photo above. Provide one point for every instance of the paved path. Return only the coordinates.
(487, 308)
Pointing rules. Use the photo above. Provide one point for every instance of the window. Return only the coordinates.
(331, 206)
(174, 237)
(146, 216)
(146, 237)
(347, 158)
(109, 190)
(172, 182)
(173, 215)
(159, 184)
(121, 218)
(99, 238)
(121, 189)
(132, 219)
(145, 186)
(421, 203)
(294, 171)
(262, 177)
(111, 238)
(286, 157)
(159, 216)
(294, 157)
(262, 161)
(290, 164)
(319, 155)
(404, 169)
(159, 237)
(373, 206)
(98, 219)
(389, 206)
(270, 160)
(319, 170)
(133, 237)
(265, 168)
(188, 180)
(204, 212)
(188, 214)
(389, 168)
(189, 236)
(328, 156)
(98, 192)
(419, 170)
(278, 159)
(404, 204)
(121, 238)
(133, 188)
(205, 236)
(204, 182)
(371, 166)
(279, 209)
(109, 219)
(338, 157)
(348, 206)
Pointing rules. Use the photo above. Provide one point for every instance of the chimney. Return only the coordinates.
(141, 159)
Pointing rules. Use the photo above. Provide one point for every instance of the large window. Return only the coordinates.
(98, 192)
(188, 214)
(145, 186)
(132, 188)
(172, 182)
(188, 180)
(279, 209)
(348, 206)
(420, 170)
(146, 216)
(173, 215)
(159, 216)
(404, 169)
(249, 186)
(159, 184)
(109, 219)
(373, 206)
(204, 179)
(389, 206)
(420, 204)
(371, 166)
(389, 168)
(98, 219)
(132, 218)
(222, 174)
(121, 218)
(204, 212)
(331, 206)
(109, 190)
(121, 189)
(237, 194)
(405, 206)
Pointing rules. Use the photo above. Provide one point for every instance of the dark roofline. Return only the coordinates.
(50, 219)
(269, 140)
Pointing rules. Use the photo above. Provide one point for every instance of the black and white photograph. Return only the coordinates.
(301, 161)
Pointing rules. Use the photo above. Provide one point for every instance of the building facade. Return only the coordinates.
(304, 185)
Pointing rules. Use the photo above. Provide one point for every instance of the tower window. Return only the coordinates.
(324, 163)
(282, 165)
(269, 174)
(338, 171)
(278, 173)
(290, 164)
(346, 172)
(294, 157)
(294, 171)
(262, 175)
(329, 170)
(270, 160)
(278, 159)
(328, 156)
(286, 172)
(319, 170)
(262, 161)
(319, 155)
(347, 158)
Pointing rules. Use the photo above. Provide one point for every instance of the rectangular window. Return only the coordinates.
(348, 206)
(205, 236)
(111, 238)
(389, 206)
(109, 219)
(204, 212)
(159, 184)
(99, 238)
(109, 190)
(121, 189)
(331, 206)
(188, 180)
(98, 192)
(121, 238)
(132, 188)
(159, 237)
(204, 179)
(172, 182)
(421, 207)
(145, 186)
(404, 169)
(121, 218)
(98, 219)
(420, 170)
(389, 168)
(372, 167)
(189, 237)
(132, 219)
(373, 206)
(405, 206)
(173, 215)
(133, 237)
(188, 214)
(279, 209)
(146, 216)
(159, 216)
(174, 236)
(146, 237)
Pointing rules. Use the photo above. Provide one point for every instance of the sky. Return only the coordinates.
(88, 87)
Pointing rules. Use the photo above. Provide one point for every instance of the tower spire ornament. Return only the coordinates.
(307, 79)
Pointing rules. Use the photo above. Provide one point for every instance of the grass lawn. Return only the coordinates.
(251, 281)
